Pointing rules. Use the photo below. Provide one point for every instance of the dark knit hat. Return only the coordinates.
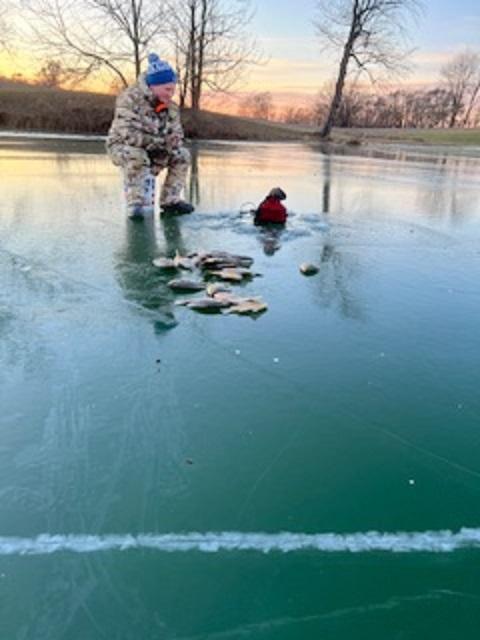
(277, 193)
(159, 71)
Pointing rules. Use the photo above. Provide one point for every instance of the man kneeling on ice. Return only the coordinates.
(271, 210)
(146, 136)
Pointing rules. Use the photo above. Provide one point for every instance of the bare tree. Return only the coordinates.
(258, 105)
(351, 106)
(369, 33)
(51, 74)
(212, 45)
(461, 77)
(297, 115)
(474, 95)
(93, 35)
(427, 109)
(321, 105)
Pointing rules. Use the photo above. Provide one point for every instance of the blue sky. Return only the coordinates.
(285, 31)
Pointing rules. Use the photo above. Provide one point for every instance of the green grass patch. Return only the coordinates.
(456, 137)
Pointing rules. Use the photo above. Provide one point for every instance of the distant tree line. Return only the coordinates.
(210, 44)
(435, 107)
(453, 102)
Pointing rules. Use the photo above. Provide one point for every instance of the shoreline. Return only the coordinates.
(375, 145)
(350, 136)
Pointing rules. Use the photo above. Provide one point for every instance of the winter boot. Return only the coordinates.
(135, 212)
(178, 208)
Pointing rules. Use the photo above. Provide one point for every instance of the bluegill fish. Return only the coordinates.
(186, 285)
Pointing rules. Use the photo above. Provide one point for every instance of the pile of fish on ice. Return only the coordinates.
(218, 269)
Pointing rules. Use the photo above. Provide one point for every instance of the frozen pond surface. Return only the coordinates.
(352, 405)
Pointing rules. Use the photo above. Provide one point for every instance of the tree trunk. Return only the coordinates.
(342, 72)
(135, 37)
(183, 75)
(457, 105)
(471, 104)
(453, 118)
(337, 97)
(201, 54)
(193, 51)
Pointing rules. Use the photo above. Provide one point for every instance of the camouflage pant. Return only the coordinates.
(134, 161)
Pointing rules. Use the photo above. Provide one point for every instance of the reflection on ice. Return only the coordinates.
(270, 238)
(141, 282)
(336, 281)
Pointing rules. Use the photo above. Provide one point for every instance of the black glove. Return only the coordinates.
(156, 154)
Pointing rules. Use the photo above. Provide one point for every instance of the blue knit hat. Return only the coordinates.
(159, 71)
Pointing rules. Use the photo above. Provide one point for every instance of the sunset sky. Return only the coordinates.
(296, 67)
(288, 36)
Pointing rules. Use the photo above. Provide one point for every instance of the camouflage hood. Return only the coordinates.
(137, 124)
(145, 90)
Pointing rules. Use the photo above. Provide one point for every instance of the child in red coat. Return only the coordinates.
(271, 209)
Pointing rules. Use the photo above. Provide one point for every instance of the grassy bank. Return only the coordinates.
(456, 137)
(29, 108)
(24, 107)
(217, 126)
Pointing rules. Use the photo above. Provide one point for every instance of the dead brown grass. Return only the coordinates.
(31, 108)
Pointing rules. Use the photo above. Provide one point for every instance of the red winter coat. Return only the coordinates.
(271, 210)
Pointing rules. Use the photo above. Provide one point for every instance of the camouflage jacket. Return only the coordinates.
(137, 124)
